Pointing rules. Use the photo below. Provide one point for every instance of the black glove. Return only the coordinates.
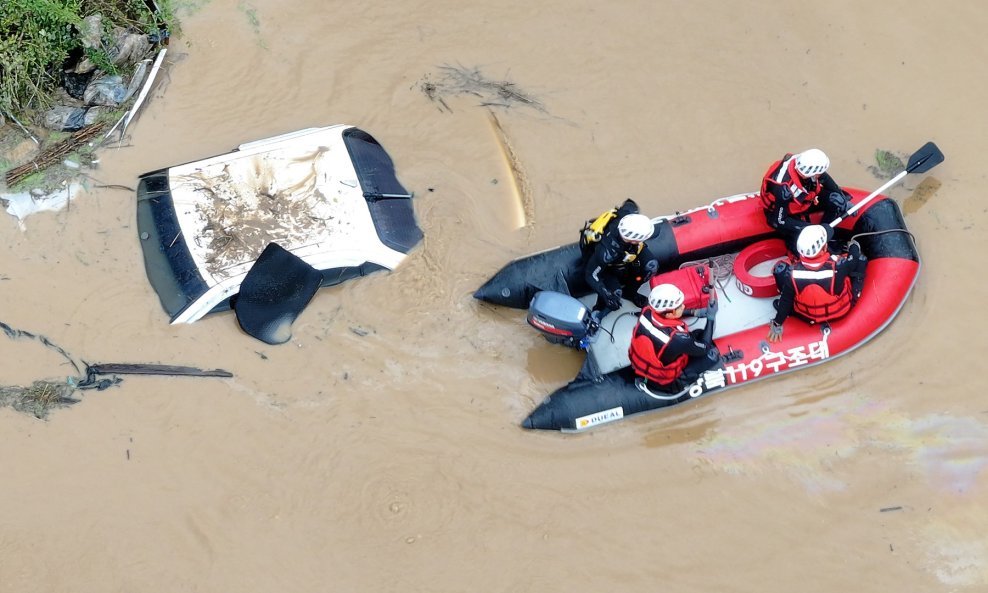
(651, 267)
(840, 203)
(613, 302)
(712, 307)
(854, 249)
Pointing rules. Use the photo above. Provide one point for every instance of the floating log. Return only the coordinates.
(153, 369)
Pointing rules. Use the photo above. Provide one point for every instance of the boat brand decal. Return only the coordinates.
(774, 362)
(599, 418)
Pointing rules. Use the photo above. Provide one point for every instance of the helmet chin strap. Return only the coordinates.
(817, 260)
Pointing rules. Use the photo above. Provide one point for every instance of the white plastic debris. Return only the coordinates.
(22, 205)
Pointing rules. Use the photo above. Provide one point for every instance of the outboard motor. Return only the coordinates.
(561, 319)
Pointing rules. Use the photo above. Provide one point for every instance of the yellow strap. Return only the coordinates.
(594, 231)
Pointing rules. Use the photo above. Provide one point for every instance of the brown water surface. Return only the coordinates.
(380, 449)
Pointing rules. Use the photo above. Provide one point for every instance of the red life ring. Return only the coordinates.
(751, 256)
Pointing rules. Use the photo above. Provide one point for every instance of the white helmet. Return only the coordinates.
(665, 297)
(811, 241)
(812, 162)
(635, 227)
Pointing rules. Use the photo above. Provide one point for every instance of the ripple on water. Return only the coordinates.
(406, 501)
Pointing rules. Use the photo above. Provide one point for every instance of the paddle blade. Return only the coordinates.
(925, 159)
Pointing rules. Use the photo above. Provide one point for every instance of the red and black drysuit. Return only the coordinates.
(614, 268)
(819, 289)
(789, 199)
(664, 352)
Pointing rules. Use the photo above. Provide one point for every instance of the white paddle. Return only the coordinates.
(921, 161)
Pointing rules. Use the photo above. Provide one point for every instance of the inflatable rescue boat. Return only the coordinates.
(734, 249)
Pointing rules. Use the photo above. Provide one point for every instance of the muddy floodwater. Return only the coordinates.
(380, 449)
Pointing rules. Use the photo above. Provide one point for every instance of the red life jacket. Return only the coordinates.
(651, 337)
(783, 174)
(818, 298)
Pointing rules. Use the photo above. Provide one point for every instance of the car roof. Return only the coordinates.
(299, 190)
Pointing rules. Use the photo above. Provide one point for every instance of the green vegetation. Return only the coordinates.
(253, 21)
(38, 37)
(887, 164)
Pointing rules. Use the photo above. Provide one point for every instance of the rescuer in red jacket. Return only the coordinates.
(816, 286)
(796, 186)
(663, 351)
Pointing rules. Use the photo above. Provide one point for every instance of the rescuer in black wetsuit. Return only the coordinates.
(617, 261)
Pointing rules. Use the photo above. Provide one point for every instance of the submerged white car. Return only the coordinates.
(323, 199)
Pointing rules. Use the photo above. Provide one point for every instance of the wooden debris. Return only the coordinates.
(153, 369)
(55, 154)
(525, 214)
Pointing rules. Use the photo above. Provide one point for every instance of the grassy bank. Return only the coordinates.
(40, 38)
